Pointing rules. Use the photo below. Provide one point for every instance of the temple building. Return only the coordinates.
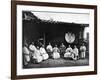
(56, 32)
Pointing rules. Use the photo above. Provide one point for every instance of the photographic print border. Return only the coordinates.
(14, 39)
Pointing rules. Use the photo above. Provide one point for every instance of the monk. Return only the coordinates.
(56, 53)
(26, 54)
(44, 53)
(75, 51)
(32, 48)
(62, 49)
(69, 53)
(49, 50)
(37, 56)
(83, 51)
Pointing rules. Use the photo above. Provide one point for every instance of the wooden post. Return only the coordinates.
(44, 39)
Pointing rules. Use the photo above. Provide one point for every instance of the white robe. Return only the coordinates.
(37, 56)
(26, 55)
(33, 49)
(68, 52)
(49, 48)
(44, 53)
(75, 51)
(55, 53)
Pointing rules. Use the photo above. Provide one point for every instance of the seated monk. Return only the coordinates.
(75, 51)
(49, 50)
(56, 53)
(69, 53)
(32, 48)
(26, 54)
(44, 53)
(37, 56)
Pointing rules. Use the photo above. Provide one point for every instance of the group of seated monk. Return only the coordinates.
(39, 54)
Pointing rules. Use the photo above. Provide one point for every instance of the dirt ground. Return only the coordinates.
(58, 63)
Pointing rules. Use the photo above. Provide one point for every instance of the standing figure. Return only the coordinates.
(75, 51)
(26, 54)
(44, 53)
(69, 53)
(49, 50)
(83, 51)
(62, 49)
(56, 53)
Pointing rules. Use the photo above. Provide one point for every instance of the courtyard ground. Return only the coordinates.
(58, 63)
